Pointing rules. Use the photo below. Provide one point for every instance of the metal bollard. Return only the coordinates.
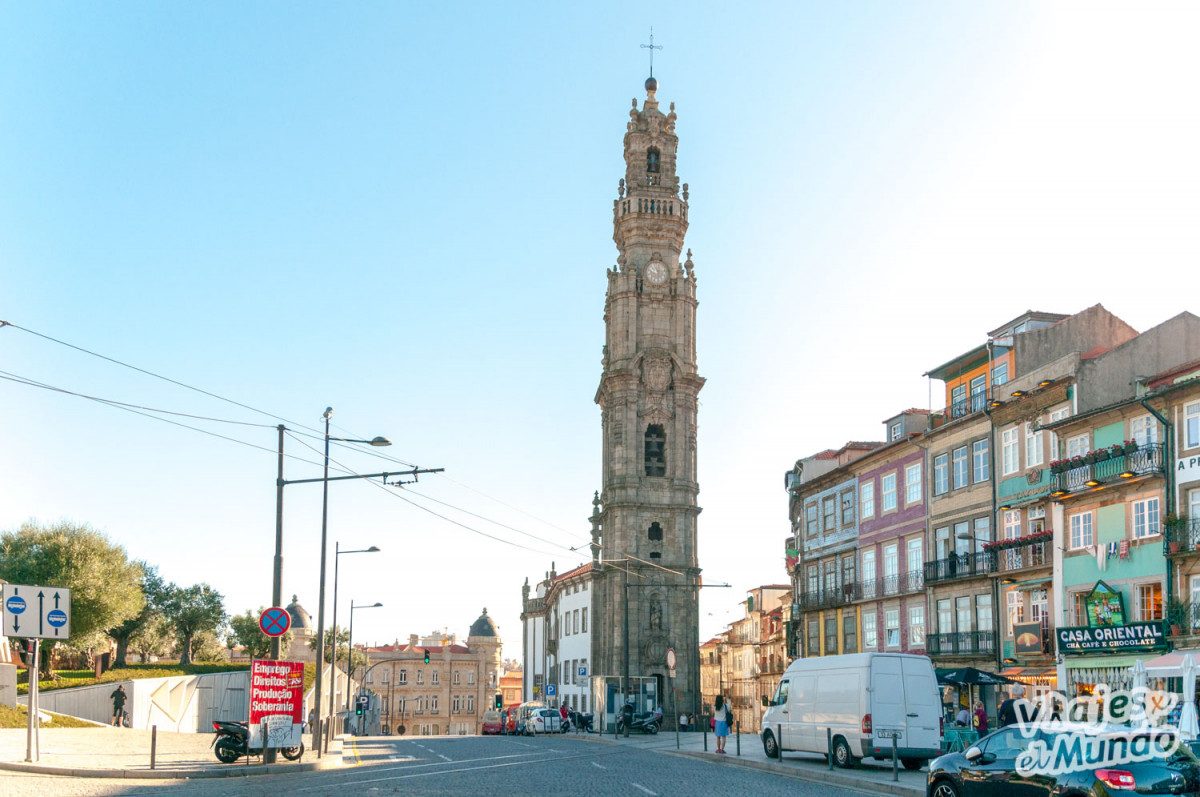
(153, 744)
(829, 746)
(779, 738)
(895, 769)
(737, 730)
(705, 724)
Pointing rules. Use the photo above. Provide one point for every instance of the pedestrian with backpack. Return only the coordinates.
(118, 701)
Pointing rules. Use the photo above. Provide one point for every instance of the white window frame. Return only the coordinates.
(1143, 615)
(896, 431)
(888, 616)
(1079, 523)
(960, 466)
(891, 560)
(912, 483)
(870, 633)
(916, 626)
(1191, 425)
(1010, 451)
(1079, 445)
(887, 490)
(1057, 415)
(1000, 373)
(941, 474)
(1034, 451)
(1015, 605)
(869, 570)
(981, 460)
(1144, 429)
(914, 554)
(866, 501)
(1146, 518)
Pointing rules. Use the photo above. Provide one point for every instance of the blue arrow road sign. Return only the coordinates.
(16, 604)
(57, 618)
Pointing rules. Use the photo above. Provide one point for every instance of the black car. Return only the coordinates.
(988, 769)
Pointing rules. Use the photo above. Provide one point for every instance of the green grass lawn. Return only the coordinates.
(18, 718)
(65, 679)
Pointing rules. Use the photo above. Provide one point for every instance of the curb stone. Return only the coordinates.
(330, 760)
(815, 776)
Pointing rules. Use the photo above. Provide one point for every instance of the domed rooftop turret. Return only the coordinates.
(301, 621)
(651, 84)
(483, 626)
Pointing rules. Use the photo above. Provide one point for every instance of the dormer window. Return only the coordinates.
(652, 161)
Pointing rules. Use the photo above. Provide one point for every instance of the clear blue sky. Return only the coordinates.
(403, 211)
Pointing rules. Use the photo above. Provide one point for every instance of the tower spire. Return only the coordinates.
(651, 47)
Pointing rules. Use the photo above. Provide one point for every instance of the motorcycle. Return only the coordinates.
(232, 741)
(645, 721)
(581, 721)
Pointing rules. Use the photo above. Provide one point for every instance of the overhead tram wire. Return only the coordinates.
(126, 408)
(343, 468)
(318, 433)
(156, 376)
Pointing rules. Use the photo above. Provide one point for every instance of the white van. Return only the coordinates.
(864, 699)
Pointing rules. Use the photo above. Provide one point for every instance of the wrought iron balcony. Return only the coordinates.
(968, 405)
(889, 585)
(1023, 557)
(961, 643)
(827, 598)
(1183, 536)
(1108, 467)
(967, 565)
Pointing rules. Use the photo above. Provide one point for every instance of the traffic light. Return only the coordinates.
(427, 656)
(358, 710)
(499, 700)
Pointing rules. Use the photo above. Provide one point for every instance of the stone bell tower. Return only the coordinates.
(647, 577)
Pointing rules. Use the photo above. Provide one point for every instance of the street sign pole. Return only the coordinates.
(31, 699)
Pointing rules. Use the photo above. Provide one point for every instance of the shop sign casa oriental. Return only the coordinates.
(34, 612)
(1107, 631)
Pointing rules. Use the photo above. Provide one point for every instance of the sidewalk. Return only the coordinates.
(106, 752)
(870, 775)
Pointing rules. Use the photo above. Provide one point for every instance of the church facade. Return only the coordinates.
(645, 576)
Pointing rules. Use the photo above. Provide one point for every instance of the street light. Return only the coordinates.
(377, 441)
(338, 552)
(350, 645)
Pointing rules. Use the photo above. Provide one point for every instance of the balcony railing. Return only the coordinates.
(827, 598)
(960, 643)
(889, 585)
(964, 565)
(1183, 535)
(1036, 554)
(968, 405)
(1142, 461)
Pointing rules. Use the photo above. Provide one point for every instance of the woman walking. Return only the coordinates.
(721, 715)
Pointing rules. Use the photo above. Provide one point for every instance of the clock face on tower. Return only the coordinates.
(656, 272)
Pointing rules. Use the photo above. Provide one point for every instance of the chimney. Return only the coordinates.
(412, 640)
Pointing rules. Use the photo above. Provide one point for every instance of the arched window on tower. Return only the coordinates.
(655, 532)
(652, 160)
(656, 450)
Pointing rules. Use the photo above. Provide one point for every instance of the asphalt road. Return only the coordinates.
(550, 765)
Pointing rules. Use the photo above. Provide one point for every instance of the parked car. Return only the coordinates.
(545, 720)
(864, 699)
(525, 713)
(492, 723)
(989, 768)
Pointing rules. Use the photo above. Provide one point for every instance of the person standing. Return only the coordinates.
(627, 715)
(721, 715)
(118, 700)
(562, 713)
(979, 721)
(1006, 715)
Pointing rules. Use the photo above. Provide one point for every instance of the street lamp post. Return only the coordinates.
(350, 645)
(321, 731)
(337, 553)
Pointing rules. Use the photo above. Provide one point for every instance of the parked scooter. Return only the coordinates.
(644, 721)
(580, 721)
(232, 740)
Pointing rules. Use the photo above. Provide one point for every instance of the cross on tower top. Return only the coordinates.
(651, 47)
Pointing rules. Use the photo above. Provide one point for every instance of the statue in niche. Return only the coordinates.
(655, 616)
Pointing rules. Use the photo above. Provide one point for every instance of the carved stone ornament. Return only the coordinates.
(657, 373)
(654, 649)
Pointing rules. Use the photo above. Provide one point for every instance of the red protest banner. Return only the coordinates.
(276, 698)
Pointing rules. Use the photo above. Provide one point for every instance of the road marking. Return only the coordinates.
(640, 787)
(444, 758)
(442, 771)
(598, 766)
